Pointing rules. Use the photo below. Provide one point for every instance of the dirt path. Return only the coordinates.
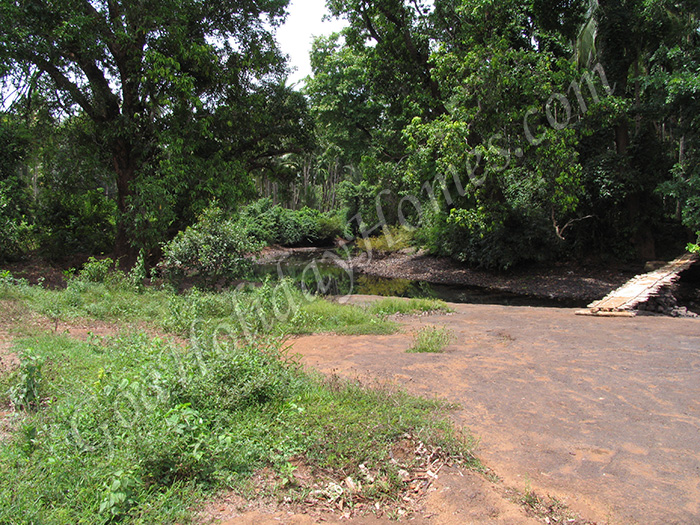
(603, 414)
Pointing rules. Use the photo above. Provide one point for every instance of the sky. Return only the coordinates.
(303, 23)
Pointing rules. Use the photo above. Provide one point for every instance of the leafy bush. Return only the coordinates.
(506, 239)
(15, 232)
(214, 248)
(276, 225)
(96, 271)
(25, 394)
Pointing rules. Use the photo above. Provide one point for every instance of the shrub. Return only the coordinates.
(507, 238)
(15, 232)
(25, 394)
(96, 271)
(276, 225)
(214, 248)
(331, 226)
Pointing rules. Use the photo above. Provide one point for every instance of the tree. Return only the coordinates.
(491, 197)
(14, 146)
(649, 53)
(175, 91)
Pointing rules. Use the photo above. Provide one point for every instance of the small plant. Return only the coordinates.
(6, 278)
(25, 395)
(96, 270)
(118, 495)
(431, 339)
(138, 273)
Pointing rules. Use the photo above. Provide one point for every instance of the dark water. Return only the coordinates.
(329, 274)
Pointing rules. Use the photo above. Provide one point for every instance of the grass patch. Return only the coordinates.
(115, 298)
(274, 307)
(325, 316)
(396, 305)
(135, 429)
(431, 339)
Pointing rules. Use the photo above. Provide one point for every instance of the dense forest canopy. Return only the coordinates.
(503, 131)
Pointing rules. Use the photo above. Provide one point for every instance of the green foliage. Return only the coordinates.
(96, 271)
(359, 200)
(431, 339)
(73, 222)
(392, 239)
(178, 107)
(505, 151)
(395, 305)
(277, 225)
(214, 248)
(321, 316)
(26, 392)
(16, 230)
(138, 428)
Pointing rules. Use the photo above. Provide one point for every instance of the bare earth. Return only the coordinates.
(601, 413)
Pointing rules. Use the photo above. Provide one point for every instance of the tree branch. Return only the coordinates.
(370, 26)
(560, 231)
(62, 82)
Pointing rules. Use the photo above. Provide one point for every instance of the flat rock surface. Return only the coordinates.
(601, 413)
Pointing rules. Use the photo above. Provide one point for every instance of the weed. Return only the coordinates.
(96, 270)
(118, 496)
(25, 394)
(431, 339)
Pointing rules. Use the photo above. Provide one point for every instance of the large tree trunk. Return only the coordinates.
(622, 138)
(125, 169)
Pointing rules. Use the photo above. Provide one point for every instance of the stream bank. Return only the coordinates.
(413, 273)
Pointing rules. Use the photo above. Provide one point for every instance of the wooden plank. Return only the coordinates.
(640, 288)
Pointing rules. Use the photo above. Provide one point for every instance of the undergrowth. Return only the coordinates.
(392, 239)
(137, 429)
(273, 307)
